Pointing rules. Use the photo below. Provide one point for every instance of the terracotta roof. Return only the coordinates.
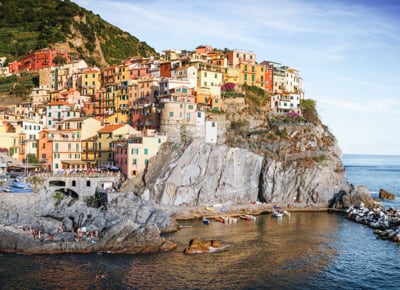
(58, 103)
(110, 128)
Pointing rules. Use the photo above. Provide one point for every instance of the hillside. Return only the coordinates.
(27, 25)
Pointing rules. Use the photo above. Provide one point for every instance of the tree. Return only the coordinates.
(59, 60)
(309, 111)
(32, 159)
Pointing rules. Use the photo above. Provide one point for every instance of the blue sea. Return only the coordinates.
(375, 172)
(313, 250)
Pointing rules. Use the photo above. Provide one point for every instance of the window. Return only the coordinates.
(56, 165)
(171, 114)
(216, 101)
(134, 161)
(88, 183)
(159, 140)
(190, 107)
(69, 147)
(56, 149)
(73, 182)
(205, 74)
(187, 116)
(213, 124)
(146, 151)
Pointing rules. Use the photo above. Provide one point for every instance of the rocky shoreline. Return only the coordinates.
(385, 222)
(39, 223)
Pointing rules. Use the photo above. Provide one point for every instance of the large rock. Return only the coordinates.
(383, 194)
(354, 196)
(128, 225)
(204, 174)
(294, 182)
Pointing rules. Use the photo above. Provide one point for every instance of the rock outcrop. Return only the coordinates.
(33, 223)
(383, 194)
(203, 174)
(354, 196)
(197, 246)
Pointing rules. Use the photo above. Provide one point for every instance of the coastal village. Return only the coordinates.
(83, 118)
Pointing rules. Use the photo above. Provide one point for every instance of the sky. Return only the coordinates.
(347, 52)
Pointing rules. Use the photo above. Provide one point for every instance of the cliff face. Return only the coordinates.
(303, 168)
(204, 174)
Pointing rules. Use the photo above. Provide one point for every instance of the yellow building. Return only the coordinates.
(90, 81)
(231, 75)
(252, 75)
(106, 138)
(209, 76)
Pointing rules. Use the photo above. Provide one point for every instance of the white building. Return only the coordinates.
(284, 103)
(211, 132)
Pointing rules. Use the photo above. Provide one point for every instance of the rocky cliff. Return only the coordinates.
(274, 162)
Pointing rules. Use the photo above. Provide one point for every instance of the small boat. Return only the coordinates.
(220, 219)
(205, 221)
(286, 213)
(248, 217)
(20, 184)
(230, 220)
(19, 189)
(277, 214)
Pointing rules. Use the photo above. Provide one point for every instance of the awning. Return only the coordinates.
(74, 162)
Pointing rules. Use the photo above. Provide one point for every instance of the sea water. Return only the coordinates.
(313, 250)
(376, 172)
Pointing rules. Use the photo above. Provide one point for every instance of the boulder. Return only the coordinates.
(197, 246)
(383, 194)
(355, 196)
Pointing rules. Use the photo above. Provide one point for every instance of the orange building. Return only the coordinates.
(45, 149)
(165, 69)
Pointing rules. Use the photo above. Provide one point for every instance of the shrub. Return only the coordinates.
(308, 107)
(58, 196)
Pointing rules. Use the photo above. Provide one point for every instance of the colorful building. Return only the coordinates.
(133, 154)
(105, 142)
(285, 103)
(42, 58)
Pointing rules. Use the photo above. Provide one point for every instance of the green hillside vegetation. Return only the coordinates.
(17, 88)
(28, 25)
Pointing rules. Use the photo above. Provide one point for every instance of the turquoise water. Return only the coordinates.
(305, 251)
